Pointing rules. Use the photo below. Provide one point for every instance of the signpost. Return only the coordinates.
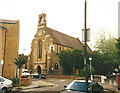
(85, 35)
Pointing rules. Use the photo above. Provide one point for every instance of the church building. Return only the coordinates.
(46, 46)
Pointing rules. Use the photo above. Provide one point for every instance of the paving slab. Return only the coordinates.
(34, 84)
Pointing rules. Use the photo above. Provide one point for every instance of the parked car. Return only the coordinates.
(25, 73)
(5, 85)
(79, 86)
(36, 75)
(112, 74)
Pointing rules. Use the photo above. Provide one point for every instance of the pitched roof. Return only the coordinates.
(63, 39)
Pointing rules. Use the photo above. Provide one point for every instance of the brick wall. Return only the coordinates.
(12, 46)
(25, 81)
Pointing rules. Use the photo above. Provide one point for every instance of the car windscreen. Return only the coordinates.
(77, 86)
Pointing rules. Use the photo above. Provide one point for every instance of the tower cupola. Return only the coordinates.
(42, 20)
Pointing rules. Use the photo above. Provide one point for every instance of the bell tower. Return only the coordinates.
(42, 20)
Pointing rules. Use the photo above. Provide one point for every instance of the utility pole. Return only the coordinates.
(85, 44)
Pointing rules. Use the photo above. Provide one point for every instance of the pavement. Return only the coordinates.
(34, 84)
(110, 87)
(39, 84)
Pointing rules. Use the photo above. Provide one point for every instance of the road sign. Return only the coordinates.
(88, 35)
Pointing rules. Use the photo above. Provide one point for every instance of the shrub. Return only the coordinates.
(15, 80)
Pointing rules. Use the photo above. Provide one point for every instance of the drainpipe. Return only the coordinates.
(4, 51)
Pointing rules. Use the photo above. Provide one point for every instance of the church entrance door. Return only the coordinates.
(39, 69)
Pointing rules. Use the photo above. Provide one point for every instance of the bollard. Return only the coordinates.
(103, 79)
(118, 80)
(110, 82)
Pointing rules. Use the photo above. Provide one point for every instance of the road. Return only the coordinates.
(50, 85)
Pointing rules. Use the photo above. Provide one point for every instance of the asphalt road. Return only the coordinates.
(49, 85)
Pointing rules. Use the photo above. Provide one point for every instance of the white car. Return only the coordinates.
(5, 85)
(25, 73)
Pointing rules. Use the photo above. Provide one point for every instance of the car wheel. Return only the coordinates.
(40, 78)
(4, 90)
(32, 76)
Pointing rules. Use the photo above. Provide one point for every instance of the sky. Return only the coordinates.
(66, 16)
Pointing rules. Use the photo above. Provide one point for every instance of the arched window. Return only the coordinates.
(56, 66)
(57, 49)
(51, 48)
(40, 50)
(60, 49)
(41, 20)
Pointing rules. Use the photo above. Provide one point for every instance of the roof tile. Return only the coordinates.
(63, 39)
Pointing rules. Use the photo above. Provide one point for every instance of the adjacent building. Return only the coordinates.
(3, 31)
(9, 45)
(46, 46)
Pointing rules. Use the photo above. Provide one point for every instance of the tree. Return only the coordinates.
(104, 45)
(65, 62)
(98, 63)
(20, 61)
(118, 53)
(77, 59)
(71, 61)
(107, 49)
(118, 44)
(83, 71)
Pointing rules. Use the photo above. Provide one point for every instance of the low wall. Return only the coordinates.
(25, 81)
(111, 81)
(64, 76)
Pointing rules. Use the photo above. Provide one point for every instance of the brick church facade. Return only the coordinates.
(46, 46)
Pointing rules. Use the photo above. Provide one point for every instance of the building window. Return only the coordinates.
(60, 49)
(52, 49)
(40, 50)
(56, 66)
(41, 20)
(57, 49)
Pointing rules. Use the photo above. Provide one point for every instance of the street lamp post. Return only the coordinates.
(86, 38)
(85, 45)
(91, 76)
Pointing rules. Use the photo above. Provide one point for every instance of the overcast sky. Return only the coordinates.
(66, 16)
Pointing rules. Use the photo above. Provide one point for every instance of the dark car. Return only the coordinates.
(36, 75)
(79, 86)
(112, 74)
(42, 76)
